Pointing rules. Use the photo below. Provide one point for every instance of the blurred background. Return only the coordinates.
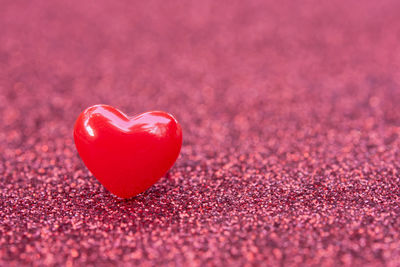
(225, 67)
(290, 115)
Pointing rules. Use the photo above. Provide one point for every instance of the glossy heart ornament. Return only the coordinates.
(127, 155)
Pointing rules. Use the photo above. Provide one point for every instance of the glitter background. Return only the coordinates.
(291, 119)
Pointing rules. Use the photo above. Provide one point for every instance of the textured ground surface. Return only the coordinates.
(291, 120)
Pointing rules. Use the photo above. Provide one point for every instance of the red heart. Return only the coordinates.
(127, 155)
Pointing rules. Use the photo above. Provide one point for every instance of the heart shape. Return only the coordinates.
(127, 155)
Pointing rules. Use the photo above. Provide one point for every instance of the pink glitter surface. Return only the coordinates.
(291, 123)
